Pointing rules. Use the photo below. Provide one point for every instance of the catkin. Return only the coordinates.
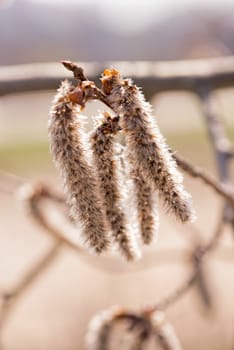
(103, 147)
(100, 328)
(147, 148)
(68, 151)
(147, 213)
(164, 332)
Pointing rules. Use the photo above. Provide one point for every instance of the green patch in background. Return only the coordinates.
(35, 156)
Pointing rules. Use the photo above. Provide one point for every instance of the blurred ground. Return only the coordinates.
(55, 311)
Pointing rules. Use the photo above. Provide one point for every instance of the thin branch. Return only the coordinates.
(10, 182)
(219, 140)
(78, 72)
(221, 145)
(203, 288)
(9, 299)
(40, 213)
(185, 286)
(197, 172)
(93, 91)
(33, 196)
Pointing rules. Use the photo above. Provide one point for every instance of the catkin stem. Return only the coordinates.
(102, 143)
(147, 148)
(67, 147)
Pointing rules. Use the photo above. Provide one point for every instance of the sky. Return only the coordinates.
(136, 15)
(160, 5)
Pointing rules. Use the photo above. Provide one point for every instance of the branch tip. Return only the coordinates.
(78, 72)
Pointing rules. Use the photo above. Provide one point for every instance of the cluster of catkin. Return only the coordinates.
(89, 167)
(116, 328)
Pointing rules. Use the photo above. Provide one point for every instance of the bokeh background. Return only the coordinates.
(54, 312)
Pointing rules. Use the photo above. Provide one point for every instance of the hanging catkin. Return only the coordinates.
(148, 151)
(103, 147)
(146, 208)
(70, 156)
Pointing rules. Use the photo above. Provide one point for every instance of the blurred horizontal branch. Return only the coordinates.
(154, 76)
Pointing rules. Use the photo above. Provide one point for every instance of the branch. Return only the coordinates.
(199, 255)
(33, 195)
(154, 76)
(9, 299)
(197, 172)
(223, 149)
(216, 131)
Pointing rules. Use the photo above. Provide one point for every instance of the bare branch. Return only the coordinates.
(197, 172)
(202, 286)
(189, 282)
(78, 72)
(154, 76)
(33, 195)
(9, 299)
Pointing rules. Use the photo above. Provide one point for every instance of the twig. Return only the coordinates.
(200, 254)
(11, 298)
(34, 196)
(10, 182)
(221, 145)
(197, 172)
(78, 72)
(202, 286)
(93, 91)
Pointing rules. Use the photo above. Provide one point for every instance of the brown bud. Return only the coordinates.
(77, 96)
(110, 76)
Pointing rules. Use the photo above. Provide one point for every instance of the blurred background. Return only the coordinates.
(55, 310)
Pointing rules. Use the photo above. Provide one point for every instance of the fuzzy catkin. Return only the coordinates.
(147, 148)
(100, 328)
(147, 213)
(67, 147)
(103, 147)
(164, 332)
